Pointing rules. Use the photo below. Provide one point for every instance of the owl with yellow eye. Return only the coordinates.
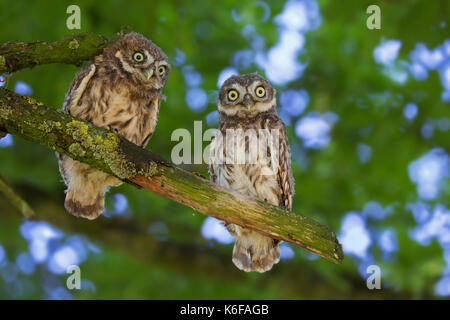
(247, 103)
(120, 90)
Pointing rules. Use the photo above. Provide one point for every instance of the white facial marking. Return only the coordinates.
(236, 108)
(150, 58)
(125, 65)
(253, 86)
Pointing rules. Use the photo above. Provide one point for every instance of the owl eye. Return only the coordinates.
(260, 92)
(161, 70)
(233, 95)
(138, 56)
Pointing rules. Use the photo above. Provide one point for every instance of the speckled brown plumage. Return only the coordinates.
(251, 113)
(120, 90)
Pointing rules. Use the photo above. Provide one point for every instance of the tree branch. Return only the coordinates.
(73, 49)
(15, 199)
(111, 153)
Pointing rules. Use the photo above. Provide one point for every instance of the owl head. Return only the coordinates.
(138, 59)
(246, 96)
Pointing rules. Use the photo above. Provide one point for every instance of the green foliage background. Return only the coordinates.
(341, 75)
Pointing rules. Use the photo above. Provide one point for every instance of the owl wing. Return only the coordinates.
(78, 87)
(212, 161)
(72, 98)
(285, 178)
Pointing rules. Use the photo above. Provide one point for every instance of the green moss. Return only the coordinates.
(108, 150)
(150, 171)
(79, 131)
(98, 139)
(45, 126)
(105, 149)
(123, 169)
(2, 63)
(5, 112)
(77, 150)
(73, 44)
(52, 139)
(33, 102)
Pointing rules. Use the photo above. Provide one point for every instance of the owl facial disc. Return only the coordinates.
(246, 96)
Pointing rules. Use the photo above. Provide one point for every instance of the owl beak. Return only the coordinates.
(248, 102)
(148, 73)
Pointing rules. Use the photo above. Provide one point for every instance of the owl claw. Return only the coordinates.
(113, 129)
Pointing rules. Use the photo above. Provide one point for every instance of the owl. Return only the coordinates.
(120, 90)
(250, 154)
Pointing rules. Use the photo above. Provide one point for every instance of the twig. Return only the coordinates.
(16, 200)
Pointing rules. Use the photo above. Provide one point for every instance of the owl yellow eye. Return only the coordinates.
(162, 70)
(233, 95)
(260, 92)
(138, 56)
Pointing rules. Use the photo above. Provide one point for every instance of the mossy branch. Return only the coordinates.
(107, 151)
(73, 49)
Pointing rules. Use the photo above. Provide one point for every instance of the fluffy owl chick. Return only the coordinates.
(250, 154)
(120, 90)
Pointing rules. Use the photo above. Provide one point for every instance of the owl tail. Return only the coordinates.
(255, 252)
(86, 199)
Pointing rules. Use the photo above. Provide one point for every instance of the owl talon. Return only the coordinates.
(113, 129)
